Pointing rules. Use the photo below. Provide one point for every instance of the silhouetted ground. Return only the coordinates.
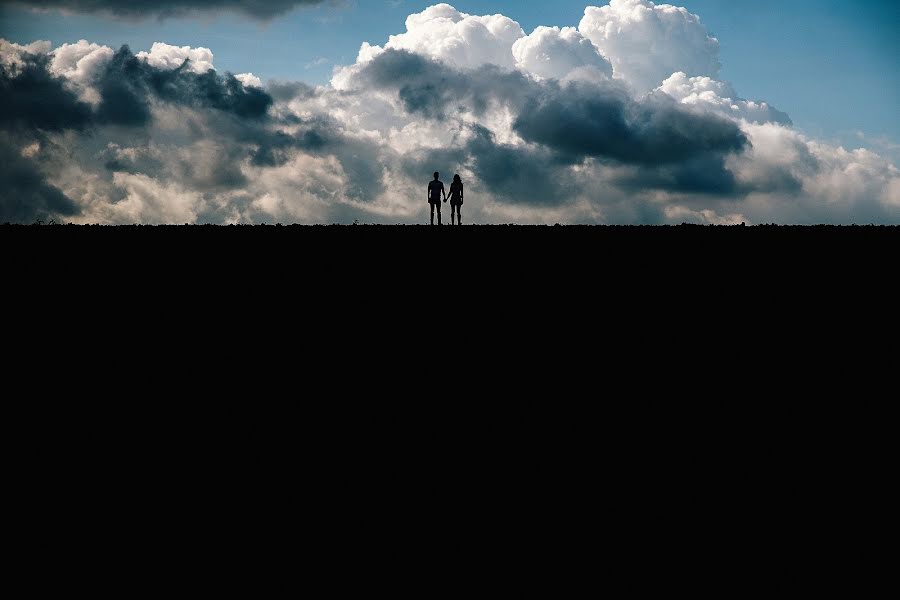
(506, 238)
(458, 238)
(565, 315)
(434, 263)
(7, 228)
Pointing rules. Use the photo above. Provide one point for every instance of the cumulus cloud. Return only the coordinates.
(454, 37)
(647, 42)
(13, 55)
(249, 80)
(551, 52)
(139, 9)
(164, 56)
(81, 62)
(706, 93)
(543, 128)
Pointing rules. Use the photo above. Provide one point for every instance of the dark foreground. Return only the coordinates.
(570, 232)
(401, 236)
(430, 311)
(684, 228)
(310, 244)
(384, 258)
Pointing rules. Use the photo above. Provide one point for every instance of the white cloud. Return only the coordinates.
(793, 179)
(81, 63)
(305, 189)
(164, 56)
(707, 93)
(249, 80)
(459, 39)
(647, 42)
(147, 200)
(551, 52)
(11, 54)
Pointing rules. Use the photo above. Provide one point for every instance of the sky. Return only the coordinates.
(826, 69)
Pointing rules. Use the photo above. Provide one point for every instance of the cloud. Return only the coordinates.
(14, 54)
(454, 37)
(48, 132)
(81, 62)
(603, 121)
(26, 195)
(164, 56)
(249, 80)
(647, 42)
(574, 120)
(708, 94)
(551, 52)
(140, 9)
(129, 84)
(432, 88)
(33, 99)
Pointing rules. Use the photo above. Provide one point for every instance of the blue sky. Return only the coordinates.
(831, 64)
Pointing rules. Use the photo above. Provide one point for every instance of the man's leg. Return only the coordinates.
(432, 213)
(439, 212)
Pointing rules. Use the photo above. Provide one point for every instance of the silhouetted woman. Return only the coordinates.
(456, 200)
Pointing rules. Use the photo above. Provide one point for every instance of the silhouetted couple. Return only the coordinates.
(436, 191)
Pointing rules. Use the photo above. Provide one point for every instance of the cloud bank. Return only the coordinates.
(620, 120)
(140, 9)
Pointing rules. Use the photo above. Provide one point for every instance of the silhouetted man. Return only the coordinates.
(435, 191)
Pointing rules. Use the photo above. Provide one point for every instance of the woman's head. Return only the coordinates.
(457, 179)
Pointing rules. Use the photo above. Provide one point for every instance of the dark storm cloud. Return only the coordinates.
(514, 174)
(601, 121)
(275, 148)
(138, 9)
(31, 98)
(25, 195)
(434, 90)
(520, 175)
(284, 91)
(703, 175)
(128, 84)
(32, 103)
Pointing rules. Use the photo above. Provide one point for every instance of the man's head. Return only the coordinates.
(436, 175)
